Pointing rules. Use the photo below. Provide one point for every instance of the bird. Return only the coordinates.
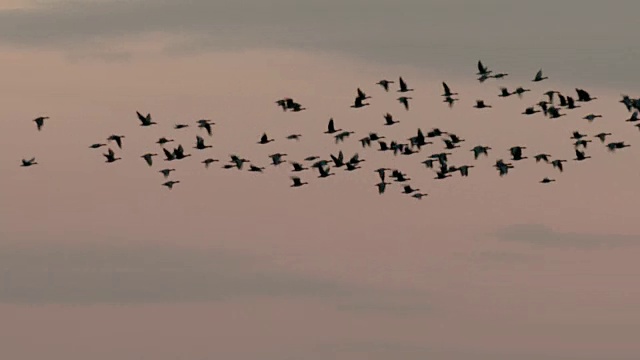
(206, 124)
(539, 76)
(464, 169)
(163, 141)
(145, 120)
(358, 103)
(450, 100)
(404, 100)
(208, 162)
(634, 117)
(558, 164)
(324, 172)
(542, 157)
(617, 145)
(602, 136)
(592, 117)
(297, 182)
(581, 156)
(117, 139)
(546, 180)
(40, 121)
(166, 172)
(265, 139)
(180, 126)
(403, 86)
(169, 184)
(483, 70)
(447, 91)
(385, 84)
(254, 168)
(388, 120)
(480, 149)
(520, 90)
(418, 195)
(584, 96)
(97, 145)
(276, 159)
(504, 92)
(200, 143)
(179, 154)
(148, 157)
(516, 153)
(530, 111)
(382, 187)
(297, 166)
(407, 189)
(30, 162)
(480, 104)
(362, 95)
(331, 127)
(111, 156)
(294, 137)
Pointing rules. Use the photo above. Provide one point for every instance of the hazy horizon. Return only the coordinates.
(100, 261)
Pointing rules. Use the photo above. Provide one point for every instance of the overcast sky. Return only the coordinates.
(99, 261)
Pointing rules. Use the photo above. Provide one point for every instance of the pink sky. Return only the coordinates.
(330, 270)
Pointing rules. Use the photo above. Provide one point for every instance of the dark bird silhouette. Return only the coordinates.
(166, 172)
(343, 135)
(554, 113)
(254, 168)
(111, 156)
(581, 156)
(358, 103)
(384, 84)
(148, 157)
(539, 76)
(584, 96)
(404, 100)
(97, 145)
(163, 140)
(382, 186)
(206, 124)
(389, 120)
(178, 153)
(516, 153)
(265, 139)
(276, 159)
(403, 85)
(504, 92)
(450, 100)
(30, 162)
(558, 164)
(362, 95)
(145, 120)
(169, 184)
(483, 70)
(547, 180)
(294, 137)
(602, 136)
(464, 170)
(613, 146)
(331, 127)
(520, 90)
(40, 121)
(447, 91)
(180, 126)
(481, 105)
(592, 117)
(542, 157)
(208, 162)
(297, 166)
(297, 182)
(117, 139)
(530, 111)
(324, 172)
(479, 150)
(200, 143)
(634, 117)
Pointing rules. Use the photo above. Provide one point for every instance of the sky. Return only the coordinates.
(100, 261)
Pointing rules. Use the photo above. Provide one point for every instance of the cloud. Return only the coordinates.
(146, 273)
(541, 235)
(512, 36)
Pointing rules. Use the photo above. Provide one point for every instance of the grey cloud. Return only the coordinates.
(541, 235)
(572, 40)
(103, 273)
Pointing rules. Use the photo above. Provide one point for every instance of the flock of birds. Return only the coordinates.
(551, 106)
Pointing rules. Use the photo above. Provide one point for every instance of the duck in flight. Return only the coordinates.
(403, 86)
(145, 120)
(40, 121)
(117, 139)
(385, 84)
(265, 139)
(539, 76)
(148, 157)
(111, 156)
(297, 182)
(169, 184)
(30, 162)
